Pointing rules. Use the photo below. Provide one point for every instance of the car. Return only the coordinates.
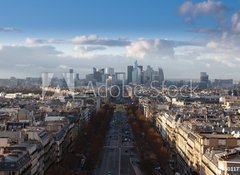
(158, 168)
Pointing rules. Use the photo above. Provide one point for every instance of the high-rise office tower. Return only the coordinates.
(71, 71)
(203, 77)
(129, 74)
(135, 73)
(140, 74)
(69, 78)
(203, 80)
(98, 74)
(161, 75)
(77, 76)
(148, 73)
(135, 78)
(109, 71)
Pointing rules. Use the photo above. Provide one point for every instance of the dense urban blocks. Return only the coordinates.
(84, 155)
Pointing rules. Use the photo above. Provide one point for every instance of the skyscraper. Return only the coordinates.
(69, 77)
(129, 74)
(98, 74)
(161, 75)
(77, 76)
(71, 71)
(148, 73)
(140, 74)
(109, 71)
(203, 80)
(135, 73)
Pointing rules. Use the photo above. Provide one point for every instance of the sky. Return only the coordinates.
(183, 37)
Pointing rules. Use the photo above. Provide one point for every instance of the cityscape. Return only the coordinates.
(120, 87)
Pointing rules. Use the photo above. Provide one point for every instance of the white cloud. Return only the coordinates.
(81, 40)
(223, 50)
(84, 39)
(33, 60)
(205, 7)
(85, 49)
(212, 45)
(63, 66)
(9, 29)
(236, 22)
(34, 41)
(96, 40)
(154, 48)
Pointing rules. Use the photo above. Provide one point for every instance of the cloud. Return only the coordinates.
(205, 7)
(28, 61)
(84, 39)
(154, 48)
(38, 41)
(9, 29)
(206, 30)
(81, 40)
(22, 61)
(27, 55)
(212, 45)
(151, 48)
(96, 40)
(236, 22)
(189, 59)
(85, 49)
(34, 41)
(223, 49)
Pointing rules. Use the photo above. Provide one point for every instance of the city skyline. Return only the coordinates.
(124, 87)
(198, 36)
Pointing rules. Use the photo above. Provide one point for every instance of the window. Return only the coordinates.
(206, 142)
(221, 142)
(238, 142)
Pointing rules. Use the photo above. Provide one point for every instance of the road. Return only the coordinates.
(118, 149)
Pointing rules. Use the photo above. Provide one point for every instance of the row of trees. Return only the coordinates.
(152, 148)
(88, 145)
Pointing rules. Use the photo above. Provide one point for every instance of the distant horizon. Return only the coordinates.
(170, 79)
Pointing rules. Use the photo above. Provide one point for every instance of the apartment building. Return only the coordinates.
(15, 163)
(35, 133)
(204, 140)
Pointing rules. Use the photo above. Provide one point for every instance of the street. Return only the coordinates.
(118, 152)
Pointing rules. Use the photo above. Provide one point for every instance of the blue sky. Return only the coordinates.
(156, 32)
(107, 17)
